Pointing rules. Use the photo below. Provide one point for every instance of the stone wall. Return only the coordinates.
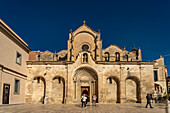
(128, 79)
(48, 86)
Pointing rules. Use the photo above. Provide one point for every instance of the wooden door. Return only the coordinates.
(6, 90)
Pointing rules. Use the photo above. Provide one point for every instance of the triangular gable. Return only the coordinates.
(47, 52)
(46, 56)
(85, 28)
(113, 46)
(62, 51)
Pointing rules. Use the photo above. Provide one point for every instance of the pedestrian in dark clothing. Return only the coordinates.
(86, 99)
(148, 101)
(83, 100)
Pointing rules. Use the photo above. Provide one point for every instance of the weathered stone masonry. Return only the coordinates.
(113, 74)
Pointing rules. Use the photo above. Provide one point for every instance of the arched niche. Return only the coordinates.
(39, 90)
(113, 89)
(58, 90)
(133, 91)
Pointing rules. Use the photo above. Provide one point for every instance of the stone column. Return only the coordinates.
(66, 85)
(48, 87)
(29, 87)
(90, 92)
(74, 89)
(78, 91)
(141, 84)
(104, 85)
(167, 106)
(122, 85)
(94, 86)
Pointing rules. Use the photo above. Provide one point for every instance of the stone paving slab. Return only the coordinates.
(76, 108)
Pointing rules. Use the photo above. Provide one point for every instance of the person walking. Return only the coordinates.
(148, 101)
(94, 97)
(83, 100)
(87, 98)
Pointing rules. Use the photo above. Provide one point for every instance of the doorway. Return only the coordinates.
(86, 90)
(6, 90)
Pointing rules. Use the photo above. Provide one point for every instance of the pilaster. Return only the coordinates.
(122, 84)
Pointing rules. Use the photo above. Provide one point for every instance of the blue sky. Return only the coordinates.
(45, 24)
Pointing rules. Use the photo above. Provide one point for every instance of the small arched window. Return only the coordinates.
(39, 57)
(110, 80)
(85, 47)
(117, 54)
(38, 79)
(126, 57)
(59, 80)
(85, 58)
(56, 57)
(107, 56)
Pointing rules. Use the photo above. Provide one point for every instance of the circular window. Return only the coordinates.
(85, 47)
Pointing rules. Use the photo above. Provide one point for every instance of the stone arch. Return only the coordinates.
(117, 55)
(39, 89)
(79, 39)
(85, 78)
(85, 58)
(84, 32)
(117, 81)
(58, 89)
(107, 56)
(158, 89)
(132, 85)
(86, 67)
(127, 57)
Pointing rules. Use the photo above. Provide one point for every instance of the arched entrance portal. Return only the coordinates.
(85, 82)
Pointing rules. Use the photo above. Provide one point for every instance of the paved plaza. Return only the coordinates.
(76, 108)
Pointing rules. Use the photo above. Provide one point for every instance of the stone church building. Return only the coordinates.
(113, 74)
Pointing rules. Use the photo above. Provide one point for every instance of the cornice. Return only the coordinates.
(11, 70)
(13, 36)
(97, 62)
(49, 62)
(126, 63)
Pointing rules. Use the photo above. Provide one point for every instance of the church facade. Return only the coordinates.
(113, 74)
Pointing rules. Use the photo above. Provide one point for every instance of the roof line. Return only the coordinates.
(17, 37)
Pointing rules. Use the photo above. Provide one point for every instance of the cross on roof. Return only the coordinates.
(84, 22)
